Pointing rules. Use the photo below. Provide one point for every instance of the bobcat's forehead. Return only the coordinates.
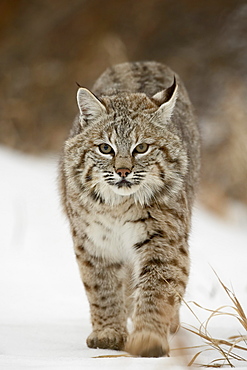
(129, 101)
(128, 117)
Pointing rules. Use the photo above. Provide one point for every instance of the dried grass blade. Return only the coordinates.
(236, 303)
(194, 358)
(239, 338)
(112, 356)
(208, 309)
(229, 344)
(237, 357)
(211, 364)
(200, 334)
(190, 347)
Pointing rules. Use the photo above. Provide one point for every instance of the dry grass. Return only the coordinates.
(226, 351)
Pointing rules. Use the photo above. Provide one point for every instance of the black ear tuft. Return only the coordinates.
(170, 90)
(165, 95)
(165, 100)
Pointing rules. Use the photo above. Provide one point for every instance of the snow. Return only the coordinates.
(44, 314)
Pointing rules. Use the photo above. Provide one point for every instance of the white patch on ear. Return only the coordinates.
(89, 106)
(166, 99)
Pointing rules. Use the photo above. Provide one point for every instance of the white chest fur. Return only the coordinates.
(113, 238)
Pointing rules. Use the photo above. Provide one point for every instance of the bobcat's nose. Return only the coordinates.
(123, 172)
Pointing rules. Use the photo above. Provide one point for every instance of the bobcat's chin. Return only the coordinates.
(141, 195)
(125, 190)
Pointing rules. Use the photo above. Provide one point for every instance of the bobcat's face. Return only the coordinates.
(127, 166)
(124, 151)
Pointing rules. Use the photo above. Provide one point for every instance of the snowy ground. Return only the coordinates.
(44, 316)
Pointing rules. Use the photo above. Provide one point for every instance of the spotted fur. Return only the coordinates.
(130, 212)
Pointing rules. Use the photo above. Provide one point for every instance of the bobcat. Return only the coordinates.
(128, 175)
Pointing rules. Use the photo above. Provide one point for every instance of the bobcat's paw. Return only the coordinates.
(107, 339)
(147, 344)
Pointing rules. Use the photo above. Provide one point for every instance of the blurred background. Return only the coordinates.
(47, 46)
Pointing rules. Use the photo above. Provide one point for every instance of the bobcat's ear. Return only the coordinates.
(166, 100)
(89, 106)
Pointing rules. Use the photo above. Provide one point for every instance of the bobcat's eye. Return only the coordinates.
(106, 149)
(141, 148)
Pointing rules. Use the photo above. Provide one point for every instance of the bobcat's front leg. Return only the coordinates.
(104, 288)
(160, 285)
